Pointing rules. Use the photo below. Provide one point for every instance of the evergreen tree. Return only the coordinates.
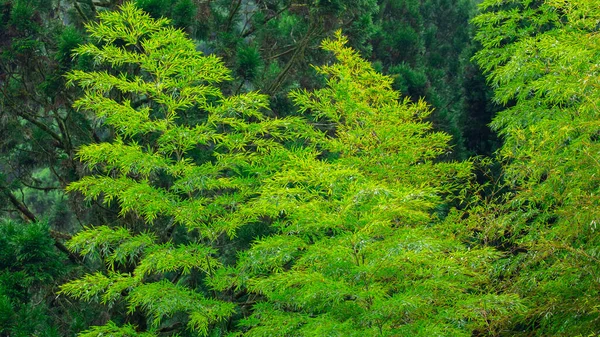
(278, 40)
(425, 45)
(40, 130)
(29, 268)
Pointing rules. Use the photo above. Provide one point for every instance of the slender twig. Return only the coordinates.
(45, 189)
(254, 28)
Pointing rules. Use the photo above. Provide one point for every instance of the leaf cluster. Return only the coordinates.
(542, 59)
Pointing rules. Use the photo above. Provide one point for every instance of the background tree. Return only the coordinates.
(40, 132)
(425, 46)
(278, 40)
(40, 129)
(29, 266)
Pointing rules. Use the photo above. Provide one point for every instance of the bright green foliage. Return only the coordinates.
(356, 251)
(166, 176)
(543, 58)
(111, 329)
(181, 178)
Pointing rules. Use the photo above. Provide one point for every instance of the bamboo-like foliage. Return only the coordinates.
(153, 171)
(357, 252)
(543, 59)
(354, 249)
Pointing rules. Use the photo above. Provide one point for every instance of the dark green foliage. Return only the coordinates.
(408, 80)
(39, 133)
(425, 46)
(69, 39)
(478, 101)
(184, 13)
(28, 248)
(156, 8)
(21, 17)
(40, 130)
(6, 313)
(249, 63)
(29, 266)
(285, 34)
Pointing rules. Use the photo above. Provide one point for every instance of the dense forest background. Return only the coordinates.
(299, 168)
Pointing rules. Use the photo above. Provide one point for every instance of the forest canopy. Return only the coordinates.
(293, 168)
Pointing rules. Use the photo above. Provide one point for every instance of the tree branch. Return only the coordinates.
(21, 207)
(30, 217)
(254, 27)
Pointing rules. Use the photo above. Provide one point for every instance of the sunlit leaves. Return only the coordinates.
(113, 330)
(122, 116)
(124, 158)
(129, 24)
(185, 258)
(160, 98)
(542, 59)
(356, 252)
(164, 299)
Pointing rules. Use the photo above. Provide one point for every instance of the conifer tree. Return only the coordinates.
(40, 130)
(29, 268)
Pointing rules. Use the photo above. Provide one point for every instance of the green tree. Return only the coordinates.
(354, 248)
(357, 250)
(542, 59)
(30, 270)
(278, 40)
(182, 189)
(425, 45)
(40, 130)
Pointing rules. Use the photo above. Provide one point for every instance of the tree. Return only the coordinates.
(40, 130)
(29, 266)
(357, 251)
(271, 44)
(542, 59)
(182, 188)
(425, 46)
(349, 244)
